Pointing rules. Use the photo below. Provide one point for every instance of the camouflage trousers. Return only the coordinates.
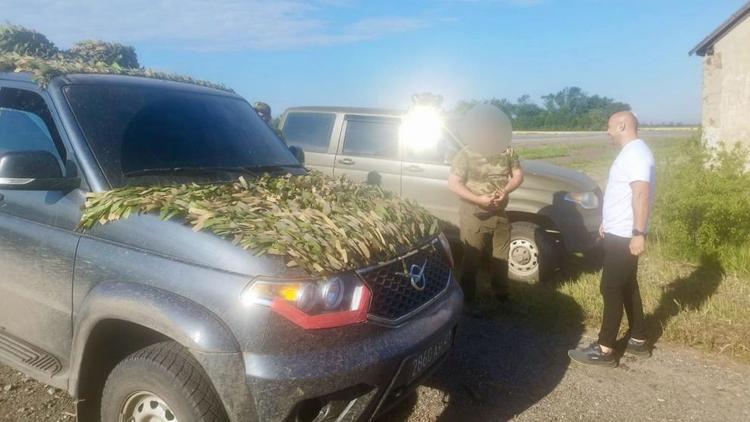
(479, 230)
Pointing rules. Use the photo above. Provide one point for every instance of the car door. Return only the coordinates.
(313, 132)
(38, 241)
(425, 178)
(369, 151)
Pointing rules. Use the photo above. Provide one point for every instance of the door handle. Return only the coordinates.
(2, 197)
(347, 161)
(414, 168)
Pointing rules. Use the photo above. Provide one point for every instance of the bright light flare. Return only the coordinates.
(421, 128)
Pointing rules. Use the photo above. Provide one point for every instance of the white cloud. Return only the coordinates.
(204, 24)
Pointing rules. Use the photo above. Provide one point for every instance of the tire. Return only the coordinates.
(162, 380)
(534, 254)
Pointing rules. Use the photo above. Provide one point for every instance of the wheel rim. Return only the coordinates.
(144, 406)
(523, 257)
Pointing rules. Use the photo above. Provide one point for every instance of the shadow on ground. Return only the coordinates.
(506, 362)
(685, 293)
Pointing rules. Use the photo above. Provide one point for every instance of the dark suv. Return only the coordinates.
(146, 319)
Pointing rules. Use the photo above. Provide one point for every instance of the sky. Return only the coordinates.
(377, 53)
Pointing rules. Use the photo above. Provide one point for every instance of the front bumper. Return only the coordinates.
(348, 379)
(578, 227)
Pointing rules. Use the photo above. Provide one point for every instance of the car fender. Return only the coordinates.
(174, 316)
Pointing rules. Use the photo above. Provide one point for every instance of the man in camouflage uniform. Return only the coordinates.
(483, 174)
(264, 112)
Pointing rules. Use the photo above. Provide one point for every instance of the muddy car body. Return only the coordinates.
(99, 312)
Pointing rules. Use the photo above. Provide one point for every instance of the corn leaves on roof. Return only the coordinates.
(43, 70)
(25, 50)
(321, 224)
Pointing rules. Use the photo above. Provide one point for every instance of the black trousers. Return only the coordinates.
(619, 289)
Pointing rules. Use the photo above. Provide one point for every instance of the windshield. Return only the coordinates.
(143, 134)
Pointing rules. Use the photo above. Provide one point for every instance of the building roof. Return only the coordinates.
(704, 47)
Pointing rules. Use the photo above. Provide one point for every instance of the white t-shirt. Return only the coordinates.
(634, 163)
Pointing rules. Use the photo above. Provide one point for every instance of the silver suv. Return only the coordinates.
(556, 211)
(147, 319)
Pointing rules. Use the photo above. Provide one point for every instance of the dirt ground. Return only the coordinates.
(503, 368)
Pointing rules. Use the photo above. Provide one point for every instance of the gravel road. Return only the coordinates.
(503, 368)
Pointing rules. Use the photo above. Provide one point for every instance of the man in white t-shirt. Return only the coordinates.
(627, 204)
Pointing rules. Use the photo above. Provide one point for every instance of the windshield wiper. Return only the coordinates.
(192, 170)
(212, 169)
(270, 168)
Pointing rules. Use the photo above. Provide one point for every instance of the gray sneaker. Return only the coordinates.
(639, 349)
(593, 355)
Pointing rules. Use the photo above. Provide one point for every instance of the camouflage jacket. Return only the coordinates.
(484, 175)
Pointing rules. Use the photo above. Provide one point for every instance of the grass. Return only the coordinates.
(543, 152)
(704, 304)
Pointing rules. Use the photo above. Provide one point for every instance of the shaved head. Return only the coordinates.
(625, 117)
(623, 127)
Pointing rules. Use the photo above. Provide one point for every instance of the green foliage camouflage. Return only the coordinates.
(103, 52)
(323, 225)
(43, 70)
(25, 50)
(19, 40)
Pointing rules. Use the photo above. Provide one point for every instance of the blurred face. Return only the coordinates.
(486, 130)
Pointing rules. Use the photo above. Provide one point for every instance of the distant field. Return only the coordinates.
(524, 137)
(592, 155)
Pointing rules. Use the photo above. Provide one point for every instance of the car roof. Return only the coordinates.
(110, 79)
(351, 110)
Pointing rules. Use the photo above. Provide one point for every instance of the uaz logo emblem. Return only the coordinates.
(416, 275)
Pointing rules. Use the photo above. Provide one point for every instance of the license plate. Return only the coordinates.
(430, 355)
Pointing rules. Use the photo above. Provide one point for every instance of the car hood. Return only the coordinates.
(545, 176)
(322, 225)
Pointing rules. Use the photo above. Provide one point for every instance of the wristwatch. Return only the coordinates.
(637, 232)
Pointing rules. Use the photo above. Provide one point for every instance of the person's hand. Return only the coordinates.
(486, 201)
(601, 231)
(499, 197)
(637, 245)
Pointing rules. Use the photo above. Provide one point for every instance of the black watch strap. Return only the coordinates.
(637, 232)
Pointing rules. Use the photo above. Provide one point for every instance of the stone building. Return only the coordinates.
(726, 80)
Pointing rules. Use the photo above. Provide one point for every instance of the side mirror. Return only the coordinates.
(299, 153)
(33, 170)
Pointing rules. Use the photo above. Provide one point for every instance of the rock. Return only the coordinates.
(8, 387)
(51, 391)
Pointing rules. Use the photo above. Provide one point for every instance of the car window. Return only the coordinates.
(26, 124)
(309, 131)
(371, 136)
(137, 129)
(440, 153)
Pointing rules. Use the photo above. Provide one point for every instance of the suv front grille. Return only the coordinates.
(393, 295)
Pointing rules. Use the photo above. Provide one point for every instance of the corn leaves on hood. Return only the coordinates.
(321, 224)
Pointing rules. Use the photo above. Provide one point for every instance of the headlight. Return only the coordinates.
(587, 200)
(312, 303)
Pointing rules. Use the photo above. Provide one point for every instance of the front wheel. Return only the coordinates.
(533, 254)
(160, 383)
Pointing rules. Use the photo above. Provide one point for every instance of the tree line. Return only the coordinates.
(569, 109)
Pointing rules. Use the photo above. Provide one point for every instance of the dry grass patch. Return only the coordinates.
(696, 305)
